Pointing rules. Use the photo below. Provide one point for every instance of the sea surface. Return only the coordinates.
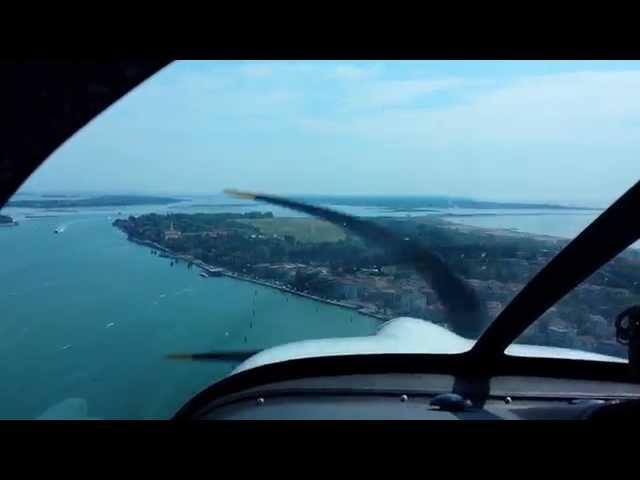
(87, 314)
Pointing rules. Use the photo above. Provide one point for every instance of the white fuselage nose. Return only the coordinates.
(403, 335)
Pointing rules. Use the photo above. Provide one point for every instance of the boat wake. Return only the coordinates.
(62, 227)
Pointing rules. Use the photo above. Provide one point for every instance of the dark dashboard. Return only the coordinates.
(415, 397)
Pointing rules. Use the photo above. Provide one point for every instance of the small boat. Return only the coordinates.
(215, 272)
(204, 275)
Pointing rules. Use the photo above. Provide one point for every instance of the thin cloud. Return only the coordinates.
(574, 108)
(257, 69)
(393, 93)
(351, 72)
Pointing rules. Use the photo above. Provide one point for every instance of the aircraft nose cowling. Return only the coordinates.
(400, 335)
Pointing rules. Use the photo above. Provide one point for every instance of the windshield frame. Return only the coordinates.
(602, 240)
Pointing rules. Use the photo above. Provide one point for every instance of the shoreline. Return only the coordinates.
(450, 223)
(515, 233)
(218, 271)
(284, 289)
(503, 232)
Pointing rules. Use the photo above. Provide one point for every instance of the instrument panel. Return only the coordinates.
(413, 397)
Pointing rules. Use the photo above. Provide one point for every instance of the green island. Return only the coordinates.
(100, 201)
(311, 257)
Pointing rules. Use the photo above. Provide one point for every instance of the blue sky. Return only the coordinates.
(531, 131)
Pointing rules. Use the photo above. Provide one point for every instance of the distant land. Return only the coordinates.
(417, 203)
(101, 201)
(211, 205)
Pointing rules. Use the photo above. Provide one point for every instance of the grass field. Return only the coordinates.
(308, 230)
